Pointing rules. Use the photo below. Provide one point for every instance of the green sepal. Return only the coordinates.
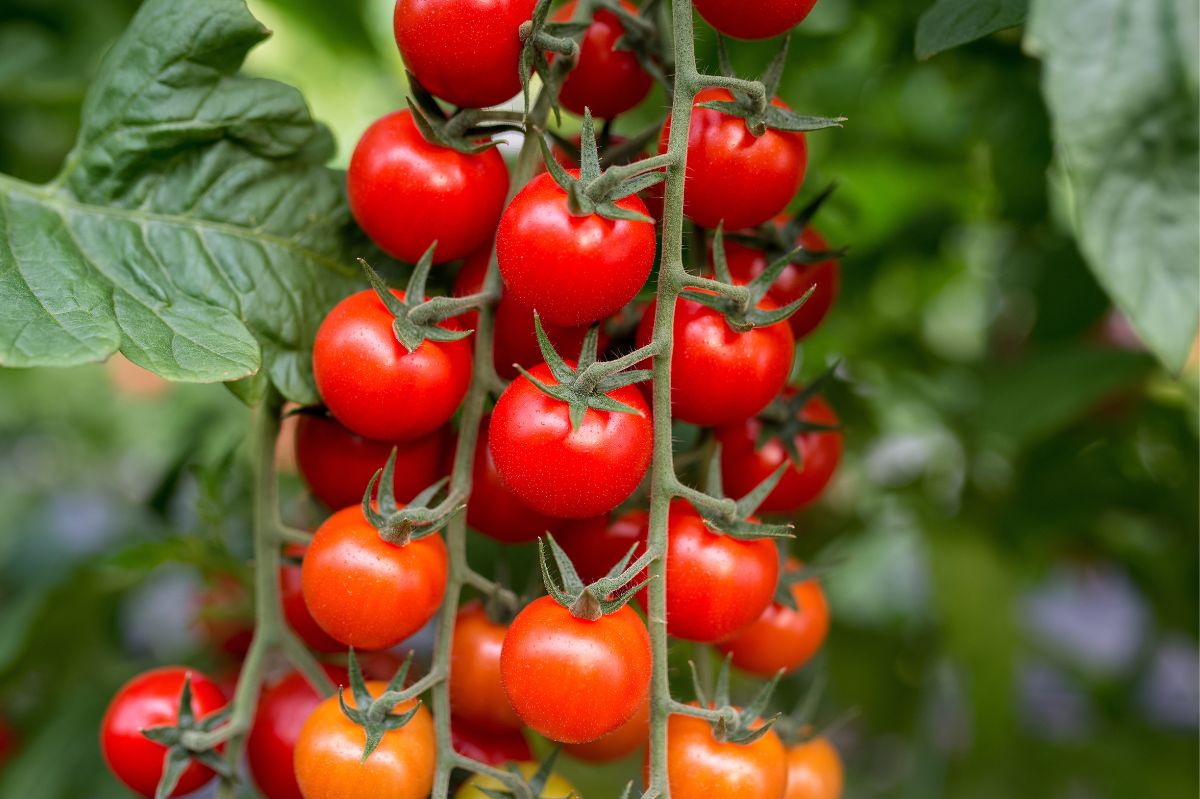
(436, 128)
(781, 420)
(178, 756)
(737, 725)
(414, 521)
(375, 715)
(607, 595)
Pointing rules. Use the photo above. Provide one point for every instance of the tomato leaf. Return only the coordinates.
(951, 23)
(193, 227)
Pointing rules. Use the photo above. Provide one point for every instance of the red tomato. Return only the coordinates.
(464, 51)
(718, 375)
(328, 755)
(475, 691)
(151, 699)
(814, 771)
(282, 710)
(625, 740)
(605, 80)
(376, 387)
(747, 263)
(407, 193)
(574, 680)
(492, 509)
(701, 767)
(338, 464)
(492, 748)
(734, 175)
(783, 638)
(573, 270)
(565, 473)
(295, 611)
(760, 20)
(365, 592)
(743, 465)
(595, 545)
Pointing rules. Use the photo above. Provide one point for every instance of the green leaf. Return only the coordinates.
(1120, 79)
(193, 227)
(950, 23)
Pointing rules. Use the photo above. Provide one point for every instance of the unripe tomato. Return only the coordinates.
(373, 385)
(574, 680)
(630, 737)
(494, 510)
(760, 20)
(718, 375)
(701, 767)
(476, 694)
(492, 748)
(605, 80)
(814, 771)
(744, 465)
(407, 193)
(556, 786)
(295, 610)
(734, 175)
(573, 270)
(366, 592)
(464, 51)
(329, 751)
(566, 473)
(783, 638)
(151, 699)
(595, 545)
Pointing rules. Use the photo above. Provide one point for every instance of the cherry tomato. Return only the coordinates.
(814, 771)
(744, 465)
(605, 80)
(718, 375)
(625, 740)
(295, 611)
(492, 748)
(783, 638)
(475, 691)
(701, 767)
(366, 592)
(328, 755)
(574, 680)
(464, 51)
(407, 193)
(338, 464)
(595, 545)
(760, 20)
(565, 473)
(492, 509)
(747, 263)
(556, 787)
(282, 710)
(151, 699)
(376, 387)
(734, 175)
(225, 616)
(573, 270)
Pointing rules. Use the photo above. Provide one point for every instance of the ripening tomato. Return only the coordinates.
(151, 699)
(734, 175)
(464, 51)
(701, 767)
(475, 691)
(295, 611)
(783, 638)
(573, 270)
(556, 786)
(747, 263)
(605, 80)
(565, 473)
(329, 751)
(744, 465)
(338, 464)
(574, 680)
(760, 20)
(373, 385)
(407, 193)
(630, 737)
(282, 710)
(366, 592)
(595, 545)
(494, 510)
(492, 748)
(814, 770)
(718, 375)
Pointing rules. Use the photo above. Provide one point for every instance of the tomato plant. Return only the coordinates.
(700, 766)
(556, 786)
(783, 637)
(596, 544)
(606, 80)
(489, 747)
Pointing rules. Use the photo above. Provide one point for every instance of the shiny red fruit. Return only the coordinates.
(295, 611)
(783, 637)
(759, 20)
(492, 748)
(494, 510)
(605, 80)
(597, 544)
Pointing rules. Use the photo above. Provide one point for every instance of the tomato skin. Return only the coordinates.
(476, 694)
(365, 592)
(595, 545)
(282, 710)
(376, 387)
(328, 755)
(814, 771)
(151, 699)
(700, 767)
(464, 51)
(494, 510)
(625, 740)
(743, 466)
(295, 611)
(766, 18)
(718, 375)
(605, 80)
(406, 193)
(563, 473)
(338, 464)
(746, 263)
(734, 175)
(556, 786)
(574, 680)
(782, 638)
(492, 748)
(573, 270)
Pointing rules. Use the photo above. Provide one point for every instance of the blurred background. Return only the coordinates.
(1012, 537)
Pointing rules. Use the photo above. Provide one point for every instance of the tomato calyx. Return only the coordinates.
(784, 418)
(735, 519)
(732, 724)
(539, 37)
(181, 750)
(590, 602)
(401, 525)
(535, 783)
(466, 130)
(375, 716)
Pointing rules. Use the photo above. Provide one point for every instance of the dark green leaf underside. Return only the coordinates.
(951, 23)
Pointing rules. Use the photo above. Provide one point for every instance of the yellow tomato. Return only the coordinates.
(556, 786)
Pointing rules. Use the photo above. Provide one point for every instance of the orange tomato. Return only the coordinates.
(814, 771)
(701, 767)
(476, 694)
(625, 740)
(782, 638)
